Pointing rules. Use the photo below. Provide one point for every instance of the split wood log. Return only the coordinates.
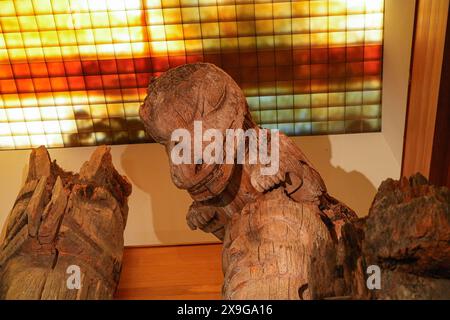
(61, 219)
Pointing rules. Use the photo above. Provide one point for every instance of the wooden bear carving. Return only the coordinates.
(279, 230)
(284, 236)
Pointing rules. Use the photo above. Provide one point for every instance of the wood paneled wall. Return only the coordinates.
(173, 272)
(440, 161)
(428, 55)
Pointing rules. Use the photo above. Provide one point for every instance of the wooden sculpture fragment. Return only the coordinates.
(284, 236)
(407, 234)
(277, 229)
(63, 222)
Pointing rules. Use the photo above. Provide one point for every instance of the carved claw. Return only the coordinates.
(199, 216)
(293, 183)
(264, 183)
(206, 218)
(290, 180)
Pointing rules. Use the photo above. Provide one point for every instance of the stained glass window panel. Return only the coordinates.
(73, 72)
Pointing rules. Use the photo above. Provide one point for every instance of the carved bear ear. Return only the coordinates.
(212, 95)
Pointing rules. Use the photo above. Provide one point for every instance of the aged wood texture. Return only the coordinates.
(280, 230)
(61, 219)
(427, 64)
(182, 272)
(407, 234)
(284, 236)
(278, 249)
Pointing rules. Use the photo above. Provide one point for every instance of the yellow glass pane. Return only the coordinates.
(134, 17)
(155, 16)
(337, 23)
(175, 47)
(63, 21)
(300, 9)
(356, 6)
(8, 8)
(263, 11)
(246, 28)
(64, 6)
(282, 10)
(282, 26)
(208, 14)
(374, 6)
(4, 129)
(102, 5)
(14, 40)
(24, 7)
(374, 21)
(246, 43)
(18, 128)
(194, 46)
(319, 24)
(338, 7)
(32, 114)
(301, 41)
(190, 14)
(21, 142)
(45, 22)
(227, 13)
(319, 40)
(264, 27)
(118, 18)
(228, 29)
(28, 23)
(172, 16)
(210, 30)
(355, 22)
(319, 8)
(38, 140)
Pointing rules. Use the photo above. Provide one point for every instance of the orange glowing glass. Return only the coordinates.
(73, 72)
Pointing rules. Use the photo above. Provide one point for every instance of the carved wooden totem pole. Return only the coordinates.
(65, 224)
(284, 236)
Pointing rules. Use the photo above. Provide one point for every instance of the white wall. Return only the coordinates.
(352, 166)
(398, 34)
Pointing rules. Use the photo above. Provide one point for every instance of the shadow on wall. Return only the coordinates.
(158, 208)
(21, 160)
(147, 167)
(351, 187)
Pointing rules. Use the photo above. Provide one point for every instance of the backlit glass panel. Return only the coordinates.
(74, 72)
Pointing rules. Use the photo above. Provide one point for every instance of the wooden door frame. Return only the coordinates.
(427, 134)
(440, 159)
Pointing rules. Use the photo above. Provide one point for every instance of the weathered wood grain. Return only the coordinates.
(284, 236)
(279, 231)
(61, 219)
(407, 234)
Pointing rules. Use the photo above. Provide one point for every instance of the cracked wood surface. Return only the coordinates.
(279, 231)
(61, 219)
(284, 236)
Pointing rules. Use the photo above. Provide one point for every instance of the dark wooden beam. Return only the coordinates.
(426, 93)
(440, 160)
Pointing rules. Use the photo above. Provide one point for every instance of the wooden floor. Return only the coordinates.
(175, 272)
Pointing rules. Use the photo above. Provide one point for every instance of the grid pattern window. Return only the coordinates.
(74, 72)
